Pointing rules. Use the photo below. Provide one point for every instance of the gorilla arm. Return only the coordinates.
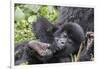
(32, 52)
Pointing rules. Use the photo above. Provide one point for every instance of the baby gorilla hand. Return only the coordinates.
(40, 47)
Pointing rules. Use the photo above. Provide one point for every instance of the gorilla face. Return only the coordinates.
(62, 39)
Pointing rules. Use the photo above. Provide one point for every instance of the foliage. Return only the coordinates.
(25, 14)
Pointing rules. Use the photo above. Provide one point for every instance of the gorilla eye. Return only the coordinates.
(56, 38)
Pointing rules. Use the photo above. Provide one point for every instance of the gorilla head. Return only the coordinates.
(69, 36)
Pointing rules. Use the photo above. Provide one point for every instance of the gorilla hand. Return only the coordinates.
(40, 47)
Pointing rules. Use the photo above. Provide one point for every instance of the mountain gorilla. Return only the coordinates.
(59, 41)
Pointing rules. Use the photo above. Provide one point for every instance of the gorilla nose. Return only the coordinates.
(62, 42)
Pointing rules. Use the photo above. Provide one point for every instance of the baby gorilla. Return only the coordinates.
(67, 40)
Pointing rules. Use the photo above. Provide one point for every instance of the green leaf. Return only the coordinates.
(32, 18)
(19, 15)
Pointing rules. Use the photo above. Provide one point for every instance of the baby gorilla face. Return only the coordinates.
(61, 39)
(64, 41)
